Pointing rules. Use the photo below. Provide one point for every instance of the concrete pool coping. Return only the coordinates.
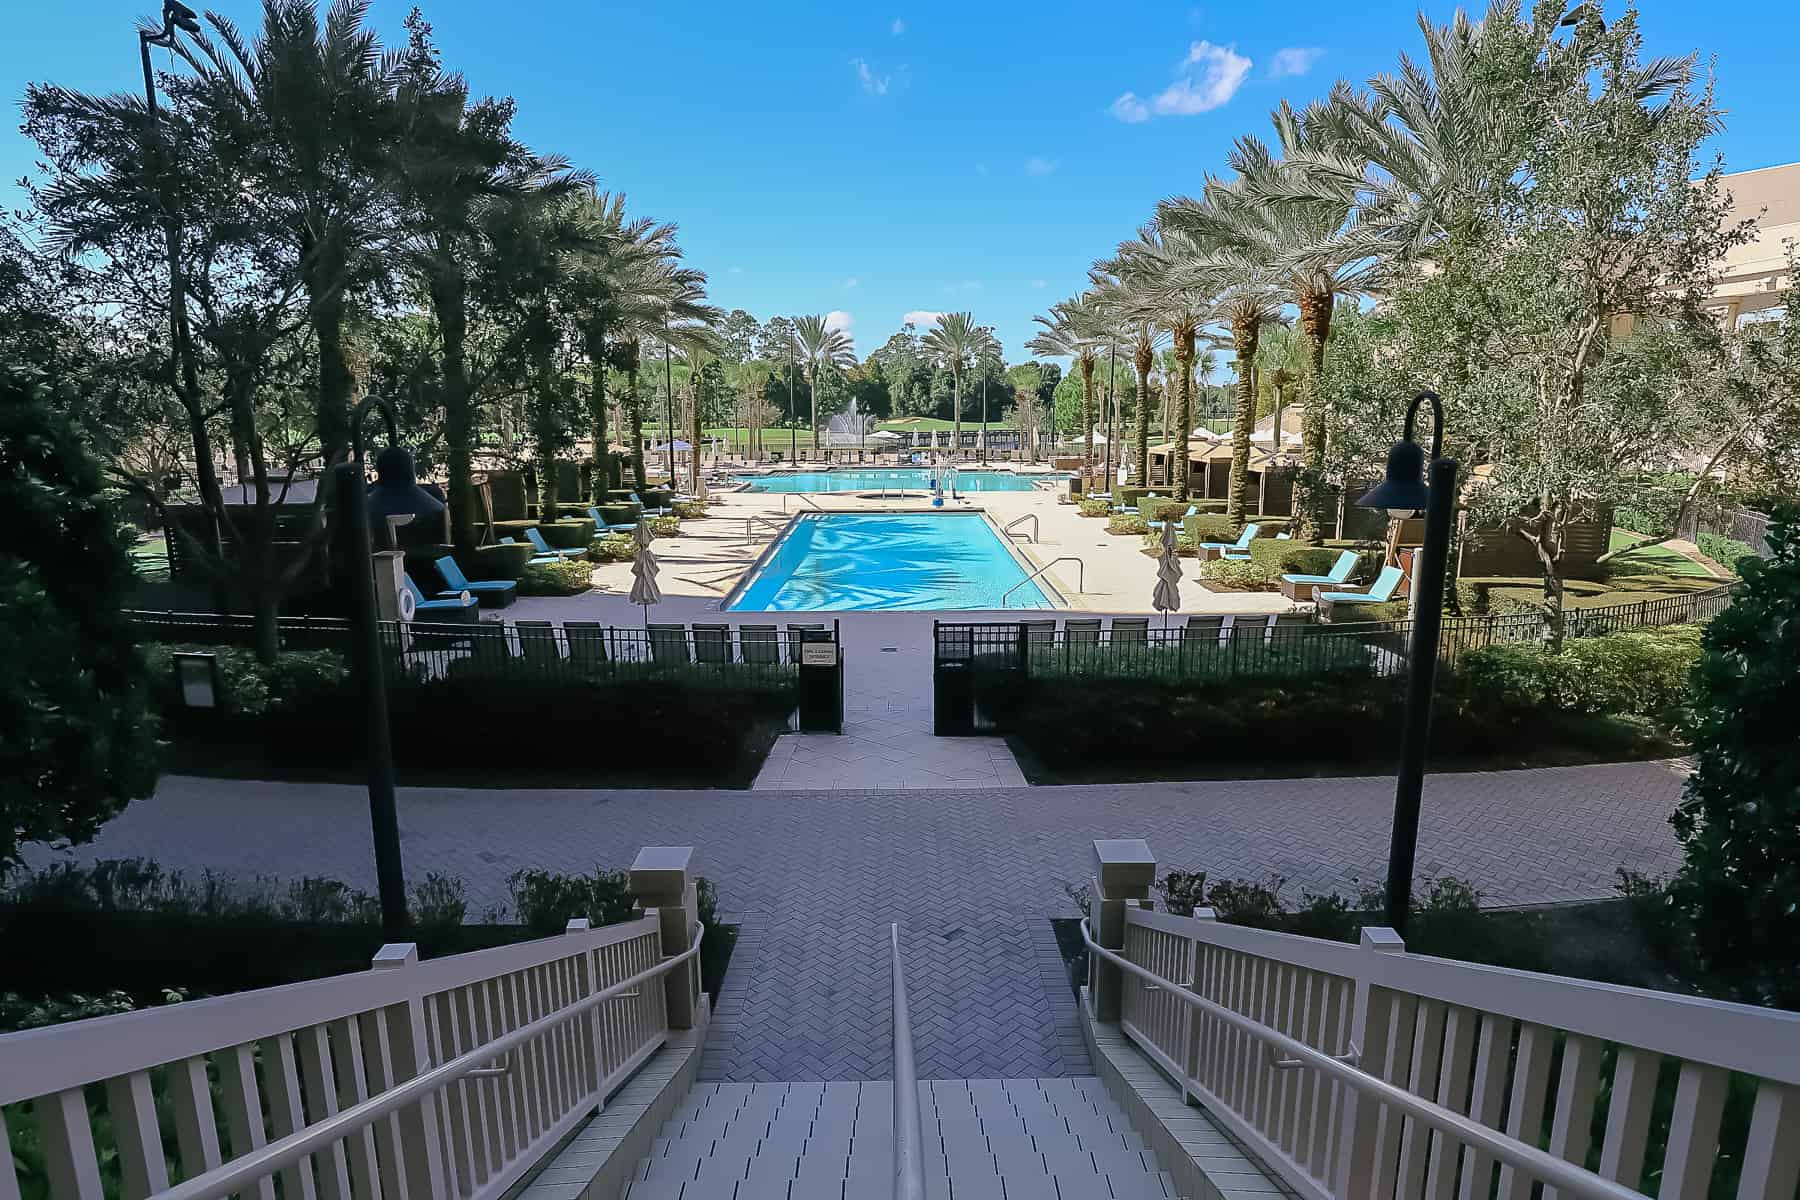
(1036, 573)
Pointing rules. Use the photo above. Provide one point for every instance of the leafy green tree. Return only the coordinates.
(955, 342)
(1073, 330)
(819, 346)
(1739, 818)
(80, 740)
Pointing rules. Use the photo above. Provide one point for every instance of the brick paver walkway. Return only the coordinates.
(972, 876)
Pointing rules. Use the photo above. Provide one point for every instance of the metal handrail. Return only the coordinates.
(1017, 521)
(1566, 1177)
(1080, 579)
(909, 1146)
(240, 1172)
(765, 518)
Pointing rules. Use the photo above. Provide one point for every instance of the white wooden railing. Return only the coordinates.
(444, 1078)
(1365, 1071)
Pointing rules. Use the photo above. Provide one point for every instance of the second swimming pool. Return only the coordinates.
(863, 561)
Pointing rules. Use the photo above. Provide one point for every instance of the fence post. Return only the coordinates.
(409, 1050)
(1124, 869)
(1368, 1040)
(1190, 1017)
(661, 880)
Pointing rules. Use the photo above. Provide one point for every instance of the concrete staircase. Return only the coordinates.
(985, 1139)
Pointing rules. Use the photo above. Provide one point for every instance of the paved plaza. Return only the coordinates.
(972, 876)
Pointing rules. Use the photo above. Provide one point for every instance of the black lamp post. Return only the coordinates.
(1403, 493)
(395, 496)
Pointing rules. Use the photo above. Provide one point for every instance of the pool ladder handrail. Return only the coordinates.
(1018, 521)
(798, 496)
(1080, 578)
(766, 519)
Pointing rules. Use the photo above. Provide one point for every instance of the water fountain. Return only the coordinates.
(848, 429)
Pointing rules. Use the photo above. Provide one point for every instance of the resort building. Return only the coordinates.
(1757, 274)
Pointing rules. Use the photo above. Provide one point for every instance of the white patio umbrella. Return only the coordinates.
(644, 589)
(1167, 597)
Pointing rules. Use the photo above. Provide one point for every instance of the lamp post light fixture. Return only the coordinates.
(1405, 491)
(395, 503)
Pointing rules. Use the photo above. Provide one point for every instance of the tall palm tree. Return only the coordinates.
(1073, 330)
(954, 342)
(1130, 299)
(989, 360)
(819, 345)
(1290, 212)
(1184, 301)
(1246, 286)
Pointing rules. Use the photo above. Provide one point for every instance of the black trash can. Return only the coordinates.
(821, 682)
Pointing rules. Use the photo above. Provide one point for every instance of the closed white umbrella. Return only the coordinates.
(644, 589)
(1167, 597)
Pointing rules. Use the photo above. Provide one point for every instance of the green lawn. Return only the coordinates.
(1660, 559)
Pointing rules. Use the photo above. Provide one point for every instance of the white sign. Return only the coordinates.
(818, 654)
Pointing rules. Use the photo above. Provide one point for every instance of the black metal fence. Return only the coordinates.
(970, 659)
(1740, 524)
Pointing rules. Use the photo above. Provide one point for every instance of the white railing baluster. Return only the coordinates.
(376, 1076)
(1525, 1116)
(1454, 1077)
(68, 1143)
(1628, 1115)
(454, 1133)
(243, 1108)
(1577, 1090)
(319, 1078)
(1334, 1038)
(1693, 1133)
(1427, 1069)
(409, 1055)
(1493, 1048)
(196, 1130)
(287, 1112)
(9, 1170)
(1403, 1013)
(1772, 1153)
(142, 1168)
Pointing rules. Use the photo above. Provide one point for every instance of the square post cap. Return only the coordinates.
(1124, 866)
(661, 873)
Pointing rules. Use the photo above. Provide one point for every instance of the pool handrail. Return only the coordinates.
(1080, 578)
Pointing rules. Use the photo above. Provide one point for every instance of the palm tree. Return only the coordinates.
(1073, 330)
(1291, 212)
(989, 360)
(820, 345)
(1183, 299)
(954, 341)
(1131, 300)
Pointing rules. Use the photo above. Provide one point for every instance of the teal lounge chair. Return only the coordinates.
(1299, 587)
(1380, 592)
(542, 547)
(1237, 549)
(600, 525)
(490, 593)
(1191, 511)
(648, 511)
(535, 558)
(456, 607)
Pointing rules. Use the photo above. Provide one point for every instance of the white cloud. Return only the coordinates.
(921, 317)
(1217, 73)
(1036, 165)
(875, 85)
(1130, 109)
(839, 319)
(899, 27)
(1040, 284)
(1293, 60)
(1208, 77)
(852, 282)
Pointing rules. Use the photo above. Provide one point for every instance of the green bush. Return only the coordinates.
(656, 497)
(625, 512)
(1727, 552)
(496, 561)
(1634, 519)
(1642, 673)
(665, 526)
(1161, 508)
(1237, 573)
(297, 679)
(689, 510)
(569, 533)
(1184, 545)
(545, 901)
(1209, 527)
(1094, 506)
(1130, 494)
(1127, 523)
(514, 530)
(568, 578)
(1280, 556)
(612, 548)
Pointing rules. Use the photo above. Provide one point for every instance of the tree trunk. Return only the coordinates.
(1143, 359)
(1087, 416)
(695, 434)
(1179, 469)
(812, 378)
(635, 406)
(601, 481)
(1310, 504)
(544, 431)
(448, 296)
(1244, 331)
(326, 313)
(1548, 546)
(955, 412)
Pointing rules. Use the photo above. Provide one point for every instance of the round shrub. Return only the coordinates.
(1095, 506)
(570, 533)
(1238, 575)
(1127, 523)
(613, 548)
(689, 510)
(556, 579)
(623, 512)
(665, 526)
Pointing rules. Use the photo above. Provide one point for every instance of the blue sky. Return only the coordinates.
(876, 161)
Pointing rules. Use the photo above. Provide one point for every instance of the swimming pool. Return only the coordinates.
(861, 561)
(916, 479)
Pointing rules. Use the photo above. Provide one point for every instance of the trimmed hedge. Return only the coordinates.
(1094, 506)
(1282, 556)
(665, 526)
(1127, 523)
(689, 510)
(612, 548)
(1641, 673)
(656, 497)
(296, 679)
(567, 578)
(1238, 573)
(571, 533)
(1209, 527)
(624, 512)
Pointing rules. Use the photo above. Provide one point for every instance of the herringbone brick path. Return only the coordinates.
(971, 876)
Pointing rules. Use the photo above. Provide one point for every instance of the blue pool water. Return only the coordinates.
(852, 561)
(917, 479)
